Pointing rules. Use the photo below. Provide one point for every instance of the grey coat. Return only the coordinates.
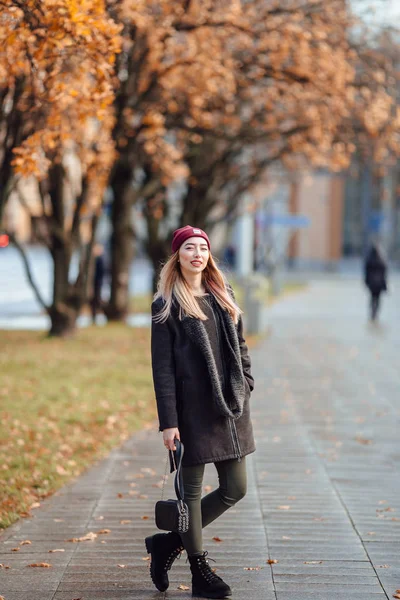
(213, 425)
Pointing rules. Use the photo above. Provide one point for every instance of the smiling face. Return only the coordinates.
(193, 255)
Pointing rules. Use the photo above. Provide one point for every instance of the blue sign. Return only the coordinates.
(284, 220)
(375, 221)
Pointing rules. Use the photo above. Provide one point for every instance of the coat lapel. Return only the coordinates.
(235, 386)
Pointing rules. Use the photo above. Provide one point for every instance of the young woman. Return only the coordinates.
(202, 381)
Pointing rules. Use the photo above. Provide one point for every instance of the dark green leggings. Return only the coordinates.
(202, 511)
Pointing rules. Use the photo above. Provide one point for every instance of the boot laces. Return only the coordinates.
(205, 568)
(176, 553)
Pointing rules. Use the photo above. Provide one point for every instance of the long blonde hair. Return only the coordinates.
(172, 284)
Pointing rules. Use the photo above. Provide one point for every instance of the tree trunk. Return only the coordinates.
(121, 243)
(65, 305)
(195, 207)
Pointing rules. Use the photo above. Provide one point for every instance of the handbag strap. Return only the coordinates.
(176, 457)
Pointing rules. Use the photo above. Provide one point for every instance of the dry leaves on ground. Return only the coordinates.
(284, 507)
(183, 587)
(25, 543)
(41, 564)
(85, 538)
(396, 594)
(125, 521)
(272, 561)
(217, 539)
(4, 566)
(101, 531)
(251, 568)
(57, 550)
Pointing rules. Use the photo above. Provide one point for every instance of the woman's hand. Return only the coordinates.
(169, 436)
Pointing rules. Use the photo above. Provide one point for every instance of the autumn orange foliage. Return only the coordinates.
(63, 53)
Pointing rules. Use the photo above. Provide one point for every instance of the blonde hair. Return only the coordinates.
(172, 284)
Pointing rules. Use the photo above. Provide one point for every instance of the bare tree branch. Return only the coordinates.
(28, 271)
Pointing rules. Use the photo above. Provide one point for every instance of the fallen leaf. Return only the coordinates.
(363, 441)
(284, 507)
(133, 492)
(144, 517)
(148, 471)
(25, 543)
(103, 542)
(145, 557)
(207, 488)
(217, 539)
(371, 533)
(183, 587)
(143, 496)
(88, 537)
(58, 520)
(57, 550)
(125, 521)
(251, 568)
(396, 595)
(104, 531)
(4, 566)
(35, 505)
(121, 566)
(101, 518)
(383, 567)
(15, 549)
(2, 598)
(41, 564)
(119, 495)
(272, 561)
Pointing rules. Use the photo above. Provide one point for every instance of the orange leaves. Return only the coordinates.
(44, 565)
(67, 51)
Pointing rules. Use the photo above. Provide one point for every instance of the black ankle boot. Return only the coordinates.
(164, 548)
(205, 583)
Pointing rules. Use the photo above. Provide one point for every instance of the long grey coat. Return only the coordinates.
(213, 426)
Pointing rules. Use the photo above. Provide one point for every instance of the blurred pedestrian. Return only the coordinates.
(375, 278)
(98, 278)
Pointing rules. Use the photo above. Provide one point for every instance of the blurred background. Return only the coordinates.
(274, 126)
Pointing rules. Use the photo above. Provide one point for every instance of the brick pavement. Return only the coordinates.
(324, 485)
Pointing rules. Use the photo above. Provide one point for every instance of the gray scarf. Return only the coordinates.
(235, 384)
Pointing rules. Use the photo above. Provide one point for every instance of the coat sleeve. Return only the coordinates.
(244, 353)
(163, 365)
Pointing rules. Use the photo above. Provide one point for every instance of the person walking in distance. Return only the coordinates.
(202, 380)
(375, 273)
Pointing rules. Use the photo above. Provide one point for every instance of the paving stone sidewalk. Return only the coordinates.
(324, 485)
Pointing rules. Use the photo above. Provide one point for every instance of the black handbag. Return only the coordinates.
(173, 515)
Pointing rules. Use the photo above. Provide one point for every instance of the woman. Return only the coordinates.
(202, 381)
(375, 278)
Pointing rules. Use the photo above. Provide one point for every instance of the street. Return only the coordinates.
(19, 308)
(321, 519)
